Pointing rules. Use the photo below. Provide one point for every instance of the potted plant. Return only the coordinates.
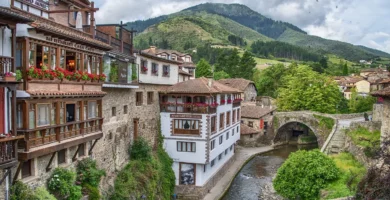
(19, 75)
(102, 77)
(85, 77)
(144, 69)
(10, 76)
(77, 75)
(59, 73)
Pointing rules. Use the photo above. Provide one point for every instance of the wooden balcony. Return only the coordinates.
(8, 149)
(187, 108)
(186, 132)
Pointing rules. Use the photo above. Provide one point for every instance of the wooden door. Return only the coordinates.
(2, 111)
(135, 127)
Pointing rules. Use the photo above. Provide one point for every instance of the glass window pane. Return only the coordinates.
(31, 116)
(179, 146)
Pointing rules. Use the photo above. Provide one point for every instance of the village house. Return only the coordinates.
(348, 83)
(200, 122)
(8, 86)
(256, 126)
(247, 88)
(59, 104)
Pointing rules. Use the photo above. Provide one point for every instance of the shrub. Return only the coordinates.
(88, 173)
(304, 174)
(21, 191)
(366, 139)
(42, 194)
(140, 150)
(92, 191)
(62, 184)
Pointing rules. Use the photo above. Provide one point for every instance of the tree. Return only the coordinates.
(359, 104)
(246, 66)
(221, 75)
(324, 62)
(228, 61)
(345, 69)
(268, 80)
(203, 68)
(304, 174)
(305, 89)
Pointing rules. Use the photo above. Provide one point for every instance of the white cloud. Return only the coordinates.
(355, 21)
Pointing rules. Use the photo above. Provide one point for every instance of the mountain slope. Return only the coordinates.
(183, 31)
(239, 20)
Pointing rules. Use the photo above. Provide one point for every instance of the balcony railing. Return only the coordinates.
(116, 44)
(126, 48)
(8, 149)
(236, 103)
(188, 108)
(57, 133)
(186, 131)
(5, 65)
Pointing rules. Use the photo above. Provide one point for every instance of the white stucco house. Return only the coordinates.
(200, 122)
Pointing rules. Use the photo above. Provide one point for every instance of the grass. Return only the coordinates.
(363, 137)
(325, 122)
(351, 173)
(336, 60)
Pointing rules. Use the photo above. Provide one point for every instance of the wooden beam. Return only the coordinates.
(75, 153)
(4, 176)
(17, 172)
(48, 167)
(74, 10)
(93, 145)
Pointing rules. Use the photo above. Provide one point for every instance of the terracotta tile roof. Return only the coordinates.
(152, 56)
(382, 93)
(255, 112)
(246, 130)
(155, 52)
(372, 70)
(188, 64)
(61, 93)
(54, 28)
(238, 83)
(385, 81)
(200, 86)
(184, 72)
(8, 14)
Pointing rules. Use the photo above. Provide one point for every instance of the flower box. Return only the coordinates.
(10, 78)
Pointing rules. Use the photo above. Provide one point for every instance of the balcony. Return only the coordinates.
(5, 67)
(8, 151)
(200, 108)
(237, 103)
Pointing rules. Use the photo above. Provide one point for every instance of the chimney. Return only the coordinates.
(153, 49)
(210, 81)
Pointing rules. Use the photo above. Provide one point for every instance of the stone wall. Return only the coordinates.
(261, 139)
(357, 152)
(250, 93)
(377, 112)
(190, 192)
(370, 125)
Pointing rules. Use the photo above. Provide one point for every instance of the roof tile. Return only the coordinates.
(255, 112)
(246, 130)
(200, 86)
(238, 83)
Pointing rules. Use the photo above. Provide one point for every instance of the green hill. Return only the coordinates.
(214, 22)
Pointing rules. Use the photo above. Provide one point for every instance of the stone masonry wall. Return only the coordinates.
(377, 112)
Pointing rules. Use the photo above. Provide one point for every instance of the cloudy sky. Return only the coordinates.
(363, 22)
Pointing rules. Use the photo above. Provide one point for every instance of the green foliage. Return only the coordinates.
(140, 150)
(62, 185)
(92, 191)
(304, 174)
(113, 72)
(203, 69)
(153, 178)
(88, 173)
(305, 89)
(269, 80)
(358, 104)
(345, 70)
(221, 75)
(134, 72)
(351, 172)
(21, 191)
(246, 66)
(370, 141)
(325, 122)
(228, 61)
(42, 194)
(19, 75)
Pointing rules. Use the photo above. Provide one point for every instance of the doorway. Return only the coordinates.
(135, 127)
(70, 112)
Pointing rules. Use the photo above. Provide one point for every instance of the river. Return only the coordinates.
(254, 181)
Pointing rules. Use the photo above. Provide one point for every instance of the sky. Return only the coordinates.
(360, 22)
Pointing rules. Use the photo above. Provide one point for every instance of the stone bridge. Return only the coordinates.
(324, 126)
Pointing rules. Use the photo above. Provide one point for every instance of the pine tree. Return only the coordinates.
(203, 69)
(345, 69)
(246, 66)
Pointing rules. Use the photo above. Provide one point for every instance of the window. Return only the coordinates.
(92, 109)
(238, 115)
(251, 136)
(155, 69)
(228, 118)
(223, 101)
(186, 146)
(186, 126)
(226, 151)
(26, 169)
(113, 111)
(212, 163)
(61, 156)
(19, 116)
(272, 113)
(232, 131)
(43, 114)
(220, 156)
(166, 70)
(187, 174)
(138, 98)
(70, 112)
(221, 121)
(250, 124)
(231, 147)
(125, 109)
(213, 124)
(238, 130)
(192, 72)
(19, 55)
(234, 116)
(81, 150)
(150, 98)
(144, 66)
(212, 144)
(265, 125)
(220, 139)
(227, 135)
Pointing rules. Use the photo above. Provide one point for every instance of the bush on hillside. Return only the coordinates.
(304, 174)
(88, 173)
(21, 191)
(62, 185)
(140, 150)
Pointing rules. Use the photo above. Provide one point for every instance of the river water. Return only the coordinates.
(254, 181)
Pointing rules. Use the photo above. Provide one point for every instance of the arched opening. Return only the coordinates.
(295, 133)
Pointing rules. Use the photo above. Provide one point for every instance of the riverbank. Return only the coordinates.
(243, 155)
